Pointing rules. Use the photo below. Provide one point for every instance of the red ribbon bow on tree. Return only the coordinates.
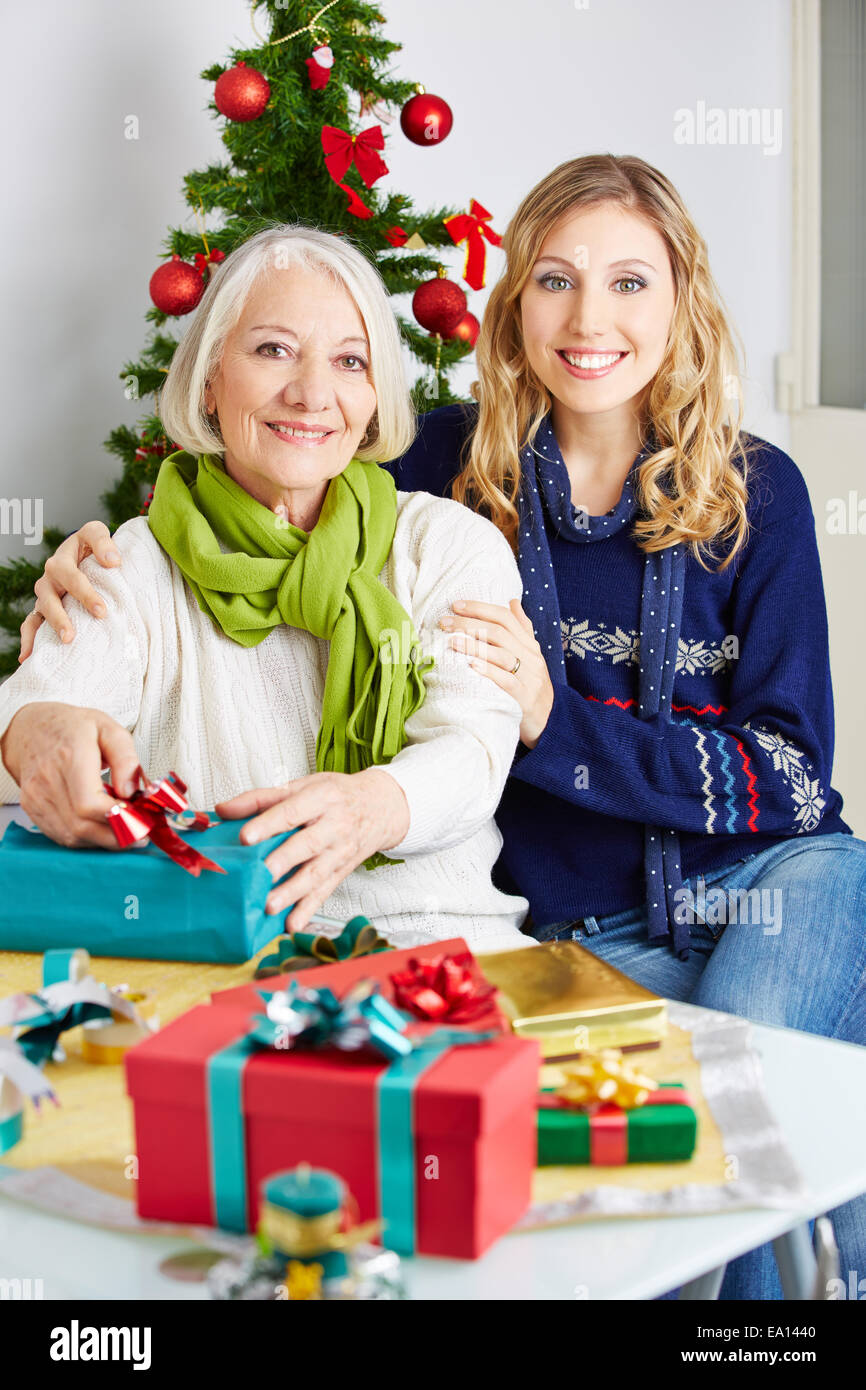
(145, 815)
(441, 988)
(341, 148)
(471, 227)
(203, 261)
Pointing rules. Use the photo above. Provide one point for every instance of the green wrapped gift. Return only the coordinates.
(662, 1130)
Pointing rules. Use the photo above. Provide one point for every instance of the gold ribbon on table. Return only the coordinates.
(107, 1044)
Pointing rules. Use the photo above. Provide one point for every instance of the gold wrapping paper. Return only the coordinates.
(563, 995)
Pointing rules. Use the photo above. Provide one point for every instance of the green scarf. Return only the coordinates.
(325, 581)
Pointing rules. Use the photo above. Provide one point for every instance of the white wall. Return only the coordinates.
(531, 84)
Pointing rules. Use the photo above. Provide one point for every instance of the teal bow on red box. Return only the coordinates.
(303, 1017)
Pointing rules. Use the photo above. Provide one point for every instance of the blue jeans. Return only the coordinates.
(799, 960)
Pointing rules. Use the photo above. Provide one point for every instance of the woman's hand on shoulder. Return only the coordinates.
(63, 575)
(495, 639)
(341, 819)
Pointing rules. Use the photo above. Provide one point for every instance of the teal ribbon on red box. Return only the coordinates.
(300, 1016)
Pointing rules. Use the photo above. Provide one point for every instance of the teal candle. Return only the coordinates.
(306, 1191)
(309, 1193)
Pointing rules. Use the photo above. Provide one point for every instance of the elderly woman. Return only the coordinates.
(271, 634)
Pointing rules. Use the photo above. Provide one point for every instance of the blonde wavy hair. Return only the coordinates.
(692, 487)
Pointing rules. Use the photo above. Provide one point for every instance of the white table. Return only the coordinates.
(602, 1259)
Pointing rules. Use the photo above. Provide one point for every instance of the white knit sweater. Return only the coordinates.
(227, 718)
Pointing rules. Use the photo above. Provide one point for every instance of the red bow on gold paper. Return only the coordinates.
(471, 227)
(341, 148)
(441, 988)
(145, 815)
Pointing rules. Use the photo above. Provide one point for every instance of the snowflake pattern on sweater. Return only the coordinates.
(789, 760)
(697, 657)
(718, 754)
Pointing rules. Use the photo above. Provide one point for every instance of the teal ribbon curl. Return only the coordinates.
(43, 1030)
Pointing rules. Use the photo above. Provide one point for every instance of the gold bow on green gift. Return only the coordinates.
(303, 950)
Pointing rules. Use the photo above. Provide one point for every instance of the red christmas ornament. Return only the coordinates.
(425, 119)
(439, 305)
(176, 287)
(466, 330)
(242, 93)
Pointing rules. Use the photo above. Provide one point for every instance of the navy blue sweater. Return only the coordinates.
(745, 761)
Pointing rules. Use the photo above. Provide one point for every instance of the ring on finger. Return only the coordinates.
(516, 667)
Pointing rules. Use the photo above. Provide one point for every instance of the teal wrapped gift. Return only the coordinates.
(137, 902)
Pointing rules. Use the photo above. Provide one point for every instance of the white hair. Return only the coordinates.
(182, 399)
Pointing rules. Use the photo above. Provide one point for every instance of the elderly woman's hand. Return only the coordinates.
(345, 817)
(56, 753)
(63, 576)
(496, 639)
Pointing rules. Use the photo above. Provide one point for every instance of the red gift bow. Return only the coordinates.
(441, 987)
(608, 1123)
(471, 227)
(144, 815)
(341, 148)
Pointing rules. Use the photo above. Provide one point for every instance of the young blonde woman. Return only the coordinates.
(670, 802)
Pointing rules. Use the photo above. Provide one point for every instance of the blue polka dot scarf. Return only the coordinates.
(545, 499)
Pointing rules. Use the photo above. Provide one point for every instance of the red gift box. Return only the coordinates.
(473, 1123)
(339, 975)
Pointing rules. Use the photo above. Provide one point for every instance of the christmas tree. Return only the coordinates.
(301, 114)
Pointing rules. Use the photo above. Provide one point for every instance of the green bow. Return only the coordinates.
(305, 950)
